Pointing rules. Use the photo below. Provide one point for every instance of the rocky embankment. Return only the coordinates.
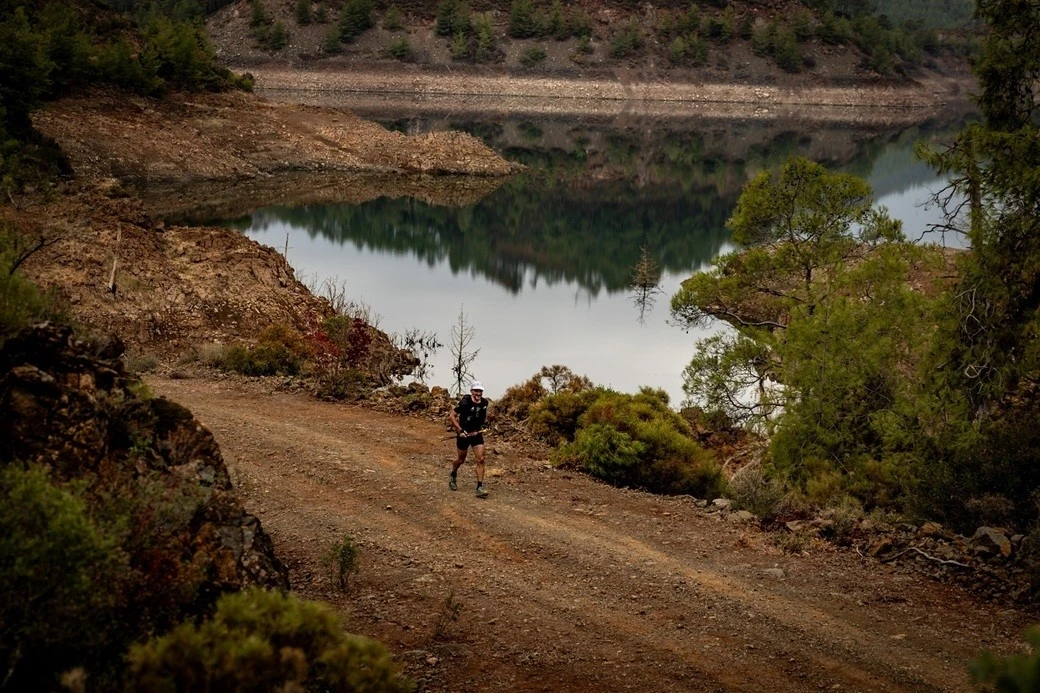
(75, 410)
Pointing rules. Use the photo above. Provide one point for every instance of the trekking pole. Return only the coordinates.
(473, 433)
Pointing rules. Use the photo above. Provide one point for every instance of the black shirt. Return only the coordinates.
(472, 416)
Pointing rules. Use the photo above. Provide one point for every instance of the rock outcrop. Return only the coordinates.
(71, 407)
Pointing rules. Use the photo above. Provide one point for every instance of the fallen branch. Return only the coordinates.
(941, 561)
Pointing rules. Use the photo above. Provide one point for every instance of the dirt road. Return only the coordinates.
(564, 583)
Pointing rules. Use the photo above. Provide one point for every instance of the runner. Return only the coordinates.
(468, 419)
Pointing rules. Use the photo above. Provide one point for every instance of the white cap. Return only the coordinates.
(476, 385)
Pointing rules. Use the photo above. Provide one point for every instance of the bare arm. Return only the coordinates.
(455, 421)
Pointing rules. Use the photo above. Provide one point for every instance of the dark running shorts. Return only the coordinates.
(463, 443)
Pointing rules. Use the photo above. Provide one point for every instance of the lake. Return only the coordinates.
(541, 266)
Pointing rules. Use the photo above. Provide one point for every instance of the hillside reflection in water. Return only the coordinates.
(542, 265)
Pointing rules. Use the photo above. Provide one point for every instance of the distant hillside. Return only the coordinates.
(936, 14)
(743, 41)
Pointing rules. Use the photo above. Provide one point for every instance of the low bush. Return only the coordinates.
(279, 350)
(627, 41)
(632, 440)
(262, 640)
(347, 384)
(60, 577)
(554, 419)
(341, 560)
(399, 49)
(754, 491)
(519, 400)
(534, 55)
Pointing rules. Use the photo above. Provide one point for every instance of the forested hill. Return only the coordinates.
(734, 41)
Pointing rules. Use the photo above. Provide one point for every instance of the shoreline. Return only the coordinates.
(438, 92)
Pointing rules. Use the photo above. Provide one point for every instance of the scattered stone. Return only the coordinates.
(741, 517)
(881, 547)
(722, 503)
(990, 541)
(931, 530)
(432, 661)
(777, 573)
(700, 503)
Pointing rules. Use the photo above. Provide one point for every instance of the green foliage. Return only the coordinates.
(342, 561)
(279, 350)
(721, 27)
(258, 16)
(986, 361)
(303, 12)
(392, 20)
(399, 49)
(519, 400)
(822, 308)
(485, 44)
(522, 20)
(321, 14)
(637, 441)
(626, 41)
(330, 43)
(21, 302)
(355, 20)
(459, 49)
(453, 18)
(59, 575)
(1013, 673)
(532, 55)
(278, 38)
(259, 640)
(932, 14)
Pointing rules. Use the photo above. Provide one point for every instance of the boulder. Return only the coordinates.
(989, 541)
(880, 547)
(722, 503)
(741, 517)
(931, 530)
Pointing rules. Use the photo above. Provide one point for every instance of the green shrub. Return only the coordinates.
(260, 640)
(356, 19)
(629, 440)
(341, 560)
(459, 48)
(453, 18)
(331, 43)
(279, 350)
(533, 55)
(523, 22)
(399, 49)
(321, 14)
(485, 44)
(604, 452)
(1013, 673)
(60, 577)
(304, 15)
(627, 41)
(555, 418)
(392, 20)
(278, 38)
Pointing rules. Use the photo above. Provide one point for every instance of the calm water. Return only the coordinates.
(542, 265)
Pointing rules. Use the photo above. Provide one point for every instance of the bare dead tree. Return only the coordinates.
(645, 283)
(462, 334)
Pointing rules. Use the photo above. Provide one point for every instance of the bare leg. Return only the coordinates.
(478, 450)
(458, 462)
